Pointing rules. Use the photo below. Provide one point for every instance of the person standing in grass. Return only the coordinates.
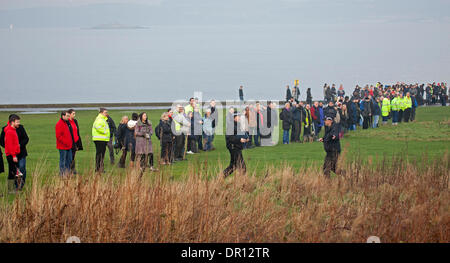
(407, 106)
(331, 145)
(394, 109)
(144, 149)
(164, 133)
(64, 143)
(12, 150)
(23, 141)
(376, 112)
(385, 109)
(208, 130)
(366, 112)
(235, 143)
(76, 138)
(308, 96)
(241, 94)
(121, 135)
(297, 118)
(112, 132)
(286, 118)
(130, 139)
(180, 127)
(307, 136)
(101, 136)
(401, 107)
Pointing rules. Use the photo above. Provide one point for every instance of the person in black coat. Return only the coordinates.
(112, 132)
(330, 111)
(121, 136)
(164, 133)
(287, 120)
(331, 145)
(235, 144)
(288, 93)
(78, 145)
(309, 97)
(22, 156)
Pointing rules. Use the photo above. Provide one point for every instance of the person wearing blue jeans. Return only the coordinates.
(64, 143)
(65, 159)
(375, 121)
(287, 120)
(285, 136)
(22, 167)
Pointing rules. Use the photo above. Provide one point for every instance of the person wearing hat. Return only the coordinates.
(331, 145)
(235, 143)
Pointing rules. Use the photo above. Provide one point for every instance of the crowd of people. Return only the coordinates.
(190, 129)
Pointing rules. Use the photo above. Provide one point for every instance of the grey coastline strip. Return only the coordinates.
(97, 105)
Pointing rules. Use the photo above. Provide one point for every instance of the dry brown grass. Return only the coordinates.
(400, 203)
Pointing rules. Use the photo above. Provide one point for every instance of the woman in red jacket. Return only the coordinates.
(12, 149)
(64, 143)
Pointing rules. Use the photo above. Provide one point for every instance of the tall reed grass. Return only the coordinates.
(399, 202)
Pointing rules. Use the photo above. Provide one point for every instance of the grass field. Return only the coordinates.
(429, 134)
(394, 184)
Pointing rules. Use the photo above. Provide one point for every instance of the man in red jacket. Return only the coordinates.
(64, 143)
(12, 149)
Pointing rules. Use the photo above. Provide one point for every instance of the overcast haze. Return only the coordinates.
(215, 46)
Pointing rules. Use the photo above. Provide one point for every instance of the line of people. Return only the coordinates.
(187, 130)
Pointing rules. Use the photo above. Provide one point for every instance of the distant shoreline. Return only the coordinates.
(92, 106)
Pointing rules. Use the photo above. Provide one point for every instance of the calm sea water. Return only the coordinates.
(165, 63)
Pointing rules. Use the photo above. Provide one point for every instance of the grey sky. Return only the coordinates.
(82, 13)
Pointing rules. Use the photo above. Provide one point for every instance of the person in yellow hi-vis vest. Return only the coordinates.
(100, 136)
(385, 109)
(394, 109)
(408, 107)
(401, 107)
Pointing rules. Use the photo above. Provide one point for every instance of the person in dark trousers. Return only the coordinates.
(101, 137)
(235, 144)
(241, 93)
(296, 92)
(121, 135)
(22, 156)
(12, 150)
(331, 145)
(129, 141)
(286, 118)
(308, 96)
(77, 138)
(366, 112)
(164, 133)
(259, 124)
(64, 143)
(297, 119)
(181, 127)
(288, 93)
(112, 132)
